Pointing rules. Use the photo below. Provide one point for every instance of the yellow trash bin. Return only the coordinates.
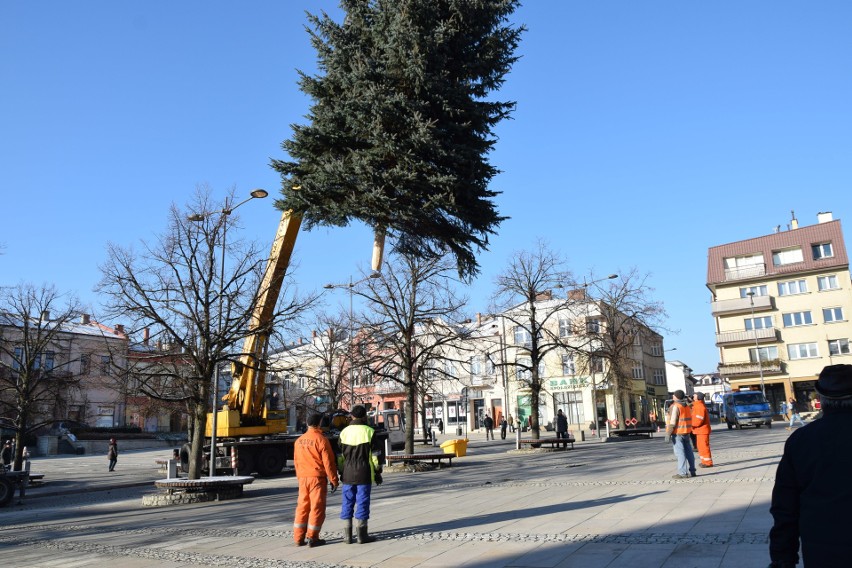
(457, 447)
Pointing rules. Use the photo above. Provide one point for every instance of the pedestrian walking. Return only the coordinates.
(489, 427)
(360, 469)
(316, 468)
(561, 424)
(7, 454)
(701, 430)
(503, 427)
(511, 424)
(440, 425)
(112, 453)
(794, 413)
(678, 429)
(812, 486)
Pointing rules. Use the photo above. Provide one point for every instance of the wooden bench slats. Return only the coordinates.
(420, 457)
(552, 442)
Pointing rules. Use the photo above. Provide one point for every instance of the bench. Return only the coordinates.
(422, 456)
(552, 442)
(634, 431)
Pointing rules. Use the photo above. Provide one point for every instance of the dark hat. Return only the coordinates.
(835, 381)
(679, 394)
(699, 395)
(359, 411)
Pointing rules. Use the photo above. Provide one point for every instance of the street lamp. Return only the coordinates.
(592, 371)
(756, 344)
(198, 217)
(351, 286)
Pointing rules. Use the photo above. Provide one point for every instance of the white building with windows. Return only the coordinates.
(781, 305)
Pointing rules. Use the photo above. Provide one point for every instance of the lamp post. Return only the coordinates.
(198, 217)
(756, 344)
(503, 373)
(351, 286)
(594, 386)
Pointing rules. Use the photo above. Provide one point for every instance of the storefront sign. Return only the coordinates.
(567, 383)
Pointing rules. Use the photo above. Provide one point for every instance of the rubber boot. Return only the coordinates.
(363, 537)
(347, 532)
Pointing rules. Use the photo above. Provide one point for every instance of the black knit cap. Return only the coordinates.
(359, 411)
(835, 381)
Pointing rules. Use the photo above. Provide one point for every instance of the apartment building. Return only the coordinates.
(76, 373)
(781, 305)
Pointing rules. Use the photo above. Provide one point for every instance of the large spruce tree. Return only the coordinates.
(401, 123)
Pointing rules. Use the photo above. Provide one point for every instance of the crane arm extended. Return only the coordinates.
(249, 373)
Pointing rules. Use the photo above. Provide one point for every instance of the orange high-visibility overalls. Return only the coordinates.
(316, 466)
(701, 429)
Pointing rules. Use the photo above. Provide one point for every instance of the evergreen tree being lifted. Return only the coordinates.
(400, 127)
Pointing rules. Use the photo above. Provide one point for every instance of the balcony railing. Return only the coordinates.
(741, 305)
(767, 335)
(742, 272)
(771, 367)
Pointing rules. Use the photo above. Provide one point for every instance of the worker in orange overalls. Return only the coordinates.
(678, 429)
(701, 430)
(316, 467)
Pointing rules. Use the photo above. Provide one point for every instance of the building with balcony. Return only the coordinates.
(781, 305)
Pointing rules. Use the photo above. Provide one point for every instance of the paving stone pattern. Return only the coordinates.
(599, 505)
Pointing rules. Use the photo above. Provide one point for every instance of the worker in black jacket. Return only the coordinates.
(360, 469)
(812, 497)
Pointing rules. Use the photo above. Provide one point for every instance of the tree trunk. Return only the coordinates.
(199, 422)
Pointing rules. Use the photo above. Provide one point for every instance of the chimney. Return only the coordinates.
(45, 315)
(313, 334)
(119, 328)
(159, 345)
(541, 296)
(146, 335)
(794, 223)
(84, 319)
(824, 217)
(578, 294)
(478, 319)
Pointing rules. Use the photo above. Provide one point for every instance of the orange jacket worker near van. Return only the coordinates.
(701, 429)
(315, 467)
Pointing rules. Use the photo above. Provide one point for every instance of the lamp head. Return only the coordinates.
(259, 193)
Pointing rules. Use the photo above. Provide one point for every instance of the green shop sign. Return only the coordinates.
(567, 383)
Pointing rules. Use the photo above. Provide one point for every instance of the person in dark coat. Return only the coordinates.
(561, 424)
(503, 426)
(7, 454)
(812, 495)
(112, 454)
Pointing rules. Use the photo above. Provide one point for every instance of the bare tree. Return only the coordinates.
(523, 298)
(36, 360)
(413, 316)
(176, 289)
(629, 318)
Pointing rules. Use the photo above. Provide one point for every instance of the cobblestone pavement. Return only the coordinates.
(599, 505)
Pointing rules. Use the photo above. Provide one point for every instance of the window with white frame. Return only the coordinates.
(522, 336)
(490, 367)
(522, 369)
(792, 287)
(638, 372)
(565, 328)
(838, 347)
(476, 366)
(795, 319)
(747, 291)
(18, 359)
(568, 366)
(105, 361)
(787, 256)
(657, 350)
(596, 364)
(831, 315)
(828, 282)
(450, 368)
(802, 351)
(768, 353)
(659, 377)
(822, 250)
(571, 404)
(763, 322)
(49, 360)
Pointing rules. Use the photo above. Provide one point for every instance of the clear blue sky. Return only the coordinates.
(645, 132)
